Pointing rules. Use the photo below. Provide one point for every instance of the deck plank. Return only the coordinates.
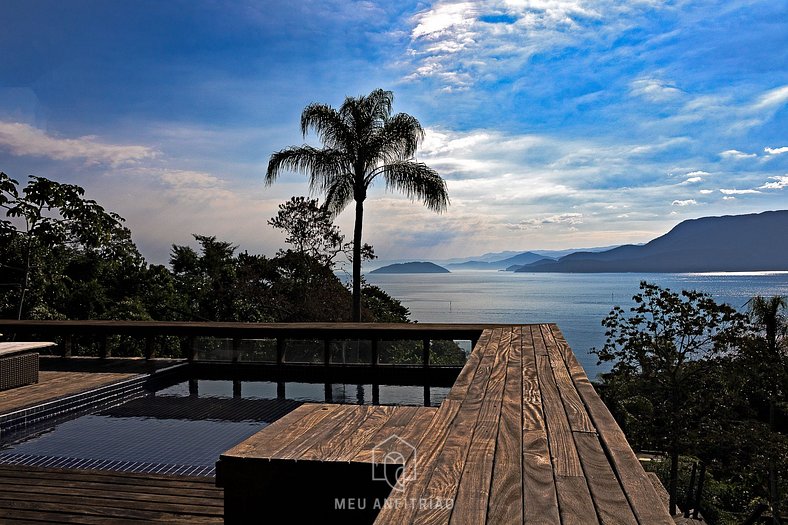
(533, 415)
(34, 494)
(643, 498)
(540, 501)
(346, 450)
(576, 413)
(460, 388)
(473, 494)
(562, 446)
(414, 477)
(448, 468)
(609, 500)
(289, 428)
(506, 492)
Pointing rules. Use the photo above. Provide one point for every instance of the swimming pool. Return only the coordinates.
(182, 426)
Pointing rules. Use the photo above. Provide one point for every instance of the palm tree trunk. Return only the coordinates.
(357, 261)
(774, 495)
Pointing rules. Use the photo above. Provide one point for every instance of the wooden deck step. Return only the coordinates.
(40, 495)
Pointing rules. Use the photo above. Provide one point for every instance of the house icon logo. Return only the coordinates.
(389, 458)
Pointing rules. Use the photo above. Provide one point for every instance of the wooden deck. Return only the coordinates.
(64, 377)
(40, 495)
(524, 438)
(521, 438)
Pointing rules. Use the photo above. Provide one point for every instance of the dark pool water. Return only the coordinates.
(183, 428)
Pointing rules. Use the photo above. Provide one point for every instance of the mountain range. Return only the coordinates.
(517, 260)
(732, 243)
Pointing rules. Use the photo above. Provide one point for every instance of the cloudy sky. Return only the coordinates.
(557, 123)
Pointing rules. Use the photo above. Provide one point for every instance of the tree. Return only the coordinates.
(664, 353)
(310, 228)
(766, 314)
(362, 140)
(47, 217)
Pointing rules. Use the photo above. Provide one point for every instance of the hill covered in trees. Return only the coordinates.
(732, 243)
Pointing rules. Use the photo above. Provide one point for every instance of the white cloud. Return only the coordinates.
(772, 99)
(697, 173)
(706, 192)
(536, 223)
(442, 18)
(693, 180)
(780, 182)
(729, 198)
(737, 192)
(688, 202)
(25, 140)
(190, 179)
(736, 154)
(654, 90)
(776, 151)
(459, 42)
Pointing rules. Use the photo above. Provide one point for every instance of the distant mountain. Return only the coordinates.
(519, 259)
(412, 267)
(754, 242)
(557, 254)
(494, 257)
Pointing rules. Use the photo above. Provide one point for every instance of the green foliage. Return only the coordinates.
(694, 377)
(310, 229)
(62, 255)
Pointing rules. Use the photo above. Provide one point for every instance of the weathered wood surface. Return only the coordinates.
(40, 495)
(524, 438)
(53, 385)
(338, 433)
(13, 348)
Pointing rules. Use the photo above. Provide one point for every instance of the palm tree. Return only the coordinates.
(362, 140)
(766, 312)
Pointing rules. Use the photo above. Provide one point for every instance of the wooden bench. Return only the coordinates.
(320, 459)
(19, 363)
(522, 437)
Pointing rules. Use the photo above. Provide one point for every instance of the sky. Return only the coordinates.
(556, 123)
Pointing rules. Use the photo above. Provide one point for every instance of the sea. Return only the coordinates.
(576, 302)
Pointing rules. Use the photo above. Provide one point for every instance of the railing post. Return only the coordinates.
(280, 351)
(236, 388)
(67, 342)
(149, 339)
(425, 358)
(188, 348)
(103, 350)
(374, 352)
(236, 349)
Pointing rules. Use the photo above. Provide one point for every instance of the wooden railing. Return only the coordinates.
(238, 332)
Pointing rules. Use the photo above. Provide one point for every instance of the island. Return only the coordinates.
(412, 267)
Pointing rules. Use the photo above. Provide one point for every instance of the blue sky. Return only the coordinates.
(557, 123)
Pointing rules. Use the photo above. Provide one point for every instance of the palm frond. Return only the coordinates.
(419, 182)
(322, 165)
(327, 124)
(339, 195)
(398, 139)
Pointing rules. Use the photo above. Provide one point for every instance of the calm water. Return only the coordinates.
(576, 302)
(184, 427)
